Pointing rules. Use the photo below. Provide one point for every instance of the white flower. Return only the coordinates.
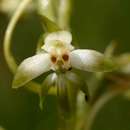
(59, 55)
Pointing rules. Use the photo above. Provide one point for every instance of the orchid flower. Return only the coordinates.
(59, 55)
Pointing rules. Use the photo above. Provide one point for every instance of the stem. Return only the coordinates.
(64, 13)
(8, 35)
(7, 44)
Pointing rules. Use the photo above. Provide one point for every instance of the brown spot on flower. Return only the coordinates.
(65, 57)
(53, 59)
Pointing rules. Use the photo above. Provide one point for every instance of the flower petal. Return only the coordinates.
(64, 38)
(31, 68)
(89, 60)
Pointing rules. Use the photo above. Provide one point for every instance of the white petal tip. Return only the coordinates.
(90, 60)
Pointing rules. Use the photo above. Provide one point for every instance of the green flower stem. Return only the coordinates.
(64, 13)
(7, 44)
(8, 35)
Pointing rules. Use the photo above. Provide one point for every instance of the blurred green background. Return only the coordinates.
(94, 25)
